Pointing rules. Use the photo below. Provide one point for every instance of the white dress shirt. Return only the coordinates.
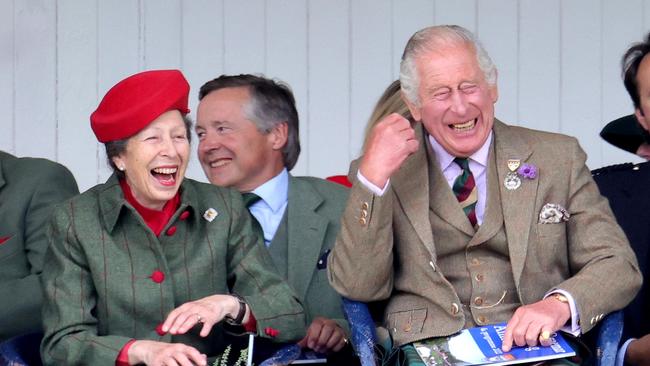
(270, 209)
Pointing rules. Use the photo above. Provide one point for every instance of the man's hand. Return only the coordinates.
(391, 141)
(324, 336)
(638, 352)
(535, 323)
(152, 353)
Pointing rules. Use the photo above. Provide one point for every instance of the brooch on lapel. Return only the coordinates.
(210, 214)
(518, 171)
(553, 213)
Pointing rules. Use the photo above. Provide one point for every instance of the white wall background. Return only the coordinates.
(558, 64)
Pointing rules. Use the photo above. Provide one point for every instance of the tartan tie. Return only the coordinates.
(465, 190)
(249, 199)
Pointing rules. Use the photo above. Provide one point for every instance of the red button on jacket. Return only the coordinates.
(159, 330)
(157, 276)
(184, 215)
(171, 231)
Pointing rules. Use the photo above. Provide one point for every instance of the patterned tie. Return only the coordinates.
(249, 199)
(465, 190)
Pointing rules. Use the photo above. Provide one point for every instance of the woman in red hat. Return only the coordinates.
(144, 268)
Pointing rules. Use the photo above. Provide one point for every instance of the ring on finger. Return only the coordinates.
(199, 319)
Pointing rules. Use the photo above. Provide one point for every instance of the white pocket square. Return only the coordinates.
(553, 213)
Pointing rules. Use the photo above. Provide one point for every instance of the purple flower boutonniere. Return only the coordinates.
(528, 171)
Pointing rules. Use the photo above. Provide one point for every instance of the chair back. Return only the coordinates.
(22, 350)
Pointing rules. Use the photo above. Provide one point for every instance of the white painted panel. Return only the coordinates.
(162, 34)
(245, 25)
(498, 31)
(119, 53)
(622, 26)
(7, 35)
(201, 57)
(77, 88)
(459, 12)
(580, 80)
(408, 17)
(35, 123)
(539, 65)
(329, 88)
(371, 62)
(287, 59)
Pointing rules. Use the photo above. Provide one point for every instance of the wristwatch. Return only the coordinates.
(559, 297)
(240, 314)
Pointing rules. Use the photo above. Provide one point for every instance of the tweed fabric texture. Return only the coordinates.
(100, 286)
(393, 253)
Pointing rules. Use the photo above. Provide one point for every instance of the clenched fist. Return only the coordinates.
(391, 141)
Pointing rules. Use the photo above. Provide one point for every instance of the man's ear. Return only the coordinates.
(642, 118)
(278, 136)
(494, 93)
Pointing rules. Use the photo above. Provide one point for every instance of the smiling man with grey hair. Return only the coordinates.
(460, 220)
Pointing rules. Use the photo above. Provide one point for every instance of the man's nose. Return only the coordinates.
(209, 142)
(459, 103)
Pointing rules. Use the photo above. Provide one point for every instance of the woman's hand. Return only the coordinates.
(208, 310)
(153, 353)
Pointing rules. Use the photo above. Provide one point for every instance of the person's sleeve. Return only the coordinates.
(252, 273)
(70, 327)
(598, 252)
(360, 266)
(123, 357)
(373, 188)
(22, 298)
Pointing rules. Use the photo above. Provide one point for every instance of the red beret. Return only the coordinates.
(136, 101)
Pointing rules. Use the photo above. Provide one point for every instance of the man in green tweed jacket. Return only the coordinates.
(248, 139)
(29, 189)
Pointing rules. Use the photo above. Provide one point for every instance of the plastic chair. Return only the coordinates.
(22, 350)
(609, 333)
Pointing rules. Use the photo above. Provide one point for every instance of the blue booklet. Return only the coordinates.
(482, 346)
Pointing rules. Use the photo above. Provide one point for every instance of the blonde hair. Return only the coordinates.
(390, 102)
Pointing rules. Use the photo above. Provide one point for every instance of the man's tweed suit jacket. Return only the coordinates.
(386, 247)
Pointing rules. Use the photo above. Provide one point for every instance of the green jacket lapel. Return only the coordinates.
(411, 185)
(304, 226)
(518, 204)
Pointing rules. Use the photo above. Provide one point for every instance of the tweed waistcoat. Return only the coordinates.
(279, 248)
(477, 265)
